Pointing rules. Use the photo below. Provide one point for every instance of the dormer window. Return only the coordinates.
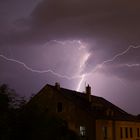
(59, 107)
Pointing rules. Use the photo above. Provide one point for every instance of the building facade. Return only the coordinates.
(91, 117)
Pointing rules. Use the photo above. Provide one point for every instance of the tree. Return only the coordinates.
(4, 98)
(9, 102)
(21, 121)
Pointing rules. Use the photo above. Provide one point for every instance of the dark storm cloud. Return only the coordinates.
(14, 21)
(55, 9)
(100, 20)
(107, 27)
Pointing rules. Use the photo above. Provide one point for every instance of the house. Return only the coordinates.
(91, 117)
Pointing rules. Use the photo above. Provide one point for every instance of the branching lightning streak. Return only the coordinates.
(116, 56)
(38, 71)
(66, 42)
(83, 75)
(108, 61)
(79, 44)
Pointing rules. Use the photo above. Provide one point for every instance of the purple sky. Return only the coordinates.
(72, 42)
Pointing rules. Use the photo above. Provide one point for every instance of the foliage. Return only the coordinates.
(9, 98)
(8, 110)
(21, 121)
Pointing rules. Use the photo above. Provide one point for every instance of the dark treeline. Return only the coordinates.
(17, 121)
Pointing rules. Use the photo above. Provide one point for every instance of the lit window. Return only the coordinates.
(82, 131)
(59, 107)
(105, 132)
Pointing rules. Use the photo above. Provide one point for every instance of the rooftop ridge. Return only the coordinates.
(96, 98)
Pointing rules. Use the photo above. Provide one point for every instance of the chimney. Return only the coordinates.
(88, 90)
(88, 93)
(57, 86)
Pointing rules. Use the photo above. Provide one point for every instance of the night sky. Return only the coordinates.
(73, 42)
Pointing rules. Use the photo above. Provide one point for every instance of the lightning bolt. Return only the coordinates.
(78, 44)
(81, 67)
(64, 43)
(81, 46)
(38, 71)
(108, 61)
(81, 81)
(115, 57)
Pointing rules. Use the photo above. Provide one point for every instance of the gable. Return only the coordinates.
(98, 107)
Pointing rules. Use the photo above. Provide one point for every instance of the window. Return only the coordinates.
(59, 107)
(131, 133)
(82, 131)
(138, 132)
(126, 132)
(105, 132)
(121, 132)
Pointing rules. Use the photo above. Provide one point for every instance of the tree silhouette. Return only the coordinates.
(9, 104)
(19, 120)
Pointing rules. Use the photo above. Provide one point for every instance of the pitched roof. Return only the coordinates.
(97, 107)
